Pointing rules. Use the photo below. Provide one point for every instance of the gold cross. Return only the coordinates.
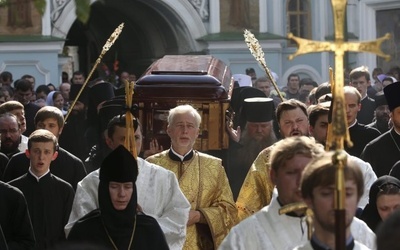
(339, 47)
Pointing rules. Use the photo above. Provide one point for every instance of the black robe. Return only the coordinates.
(382, 152)
(49, 202)
(14, 218)
(366, 113)
(66, 166)
(90, 231)
(73, 138)
(360, 135)
(30, 111)
(3, 163)
(395, 171)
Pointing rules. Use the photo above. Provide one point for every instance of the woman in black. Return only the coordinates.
(117, 224)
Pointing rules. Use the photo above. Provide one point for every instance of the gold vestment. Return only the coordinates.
(256, 191)
(203, 181)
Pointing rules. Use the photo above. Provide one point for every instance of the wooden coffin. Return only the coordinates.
(200, 80)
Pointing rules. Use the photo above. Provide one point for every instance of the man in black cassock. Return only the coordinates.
(360, 135)
(257, 134)
(73, 138)
(49, 198)
(66, 166)
(360, 79)
(14, 218)
(383, 152)
(381, 115)
(117, 224)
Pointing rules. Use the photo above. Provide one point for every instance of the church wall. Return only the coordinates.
(36, 60)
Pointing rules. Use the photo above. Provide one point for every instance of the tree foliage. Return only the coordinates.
(82, 8)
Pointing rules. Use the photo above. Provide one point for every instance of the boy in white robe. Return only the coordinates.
(267, 229)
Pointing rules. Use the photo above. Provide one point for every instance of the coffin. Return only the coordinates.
(202, 81)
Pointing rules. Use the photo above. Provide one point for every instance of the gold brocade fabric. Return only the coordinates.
(204, 183)
(256, 191)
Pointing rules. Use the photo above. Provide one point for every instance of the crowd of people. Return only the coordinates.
(71, 184)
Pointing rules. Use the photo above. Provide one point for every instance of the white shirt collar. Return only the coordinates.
(37, 178)
(354, 123)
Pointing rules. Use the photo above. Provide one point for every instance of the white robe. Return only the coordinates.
(158, 194)
(266, 229)
(369, 178)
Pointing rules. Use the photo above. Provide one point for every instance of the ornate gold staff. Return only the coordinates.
(300, 207)
(130, 143)
(258, 53)
(106, 47)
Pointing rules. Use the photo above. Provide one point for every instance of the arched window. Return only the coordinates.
(299, 18)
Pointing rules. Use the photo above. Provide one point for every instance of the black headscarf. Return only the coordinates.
(370, 214)
(118, 166)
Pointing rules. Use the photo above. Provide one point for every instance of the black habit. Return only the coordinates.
(382, 153)
(366, 113)
(14, 218)
(118, 229)
(49, 202)
(360, 135)
(90, 231)
(66, 166)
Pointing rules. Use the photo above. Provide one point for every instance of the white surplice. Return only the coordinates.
(369, 178)
(158, 195)
(268, 230)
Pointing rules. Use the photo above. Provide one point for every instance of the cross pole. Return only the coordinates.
(339, 132)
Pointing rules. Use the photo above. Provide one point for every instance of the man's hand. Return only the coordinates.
(234, 134)
(154, 149)
(194, 217)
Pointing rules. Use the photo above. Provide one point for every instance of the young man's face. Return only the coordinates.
(51, 125)
(387, 204)
(287, 179)
(118, 138)
(352, 107)
(264, 87)
(41, 154)
(78, 79)
(120, 194)
(320, 129)
(293, 83)
(361, 84)
(293, 123)
(183, 132)
(23, 97)
(322, 204)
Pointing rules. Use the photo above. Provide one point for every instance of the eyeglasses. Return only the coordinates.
(11, 131)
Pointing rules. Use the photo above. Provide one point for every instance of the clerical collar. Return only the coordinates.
(318, 245)
(398, 133)
(36, 177)
(354, 123)
(364, 97)
(177, 157)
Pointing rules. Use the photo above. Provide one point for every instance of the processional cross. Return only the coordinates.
(339, 132)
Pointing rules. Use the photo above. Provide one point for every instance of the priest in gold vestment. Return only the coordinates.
(256, 191)
(202, 180)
